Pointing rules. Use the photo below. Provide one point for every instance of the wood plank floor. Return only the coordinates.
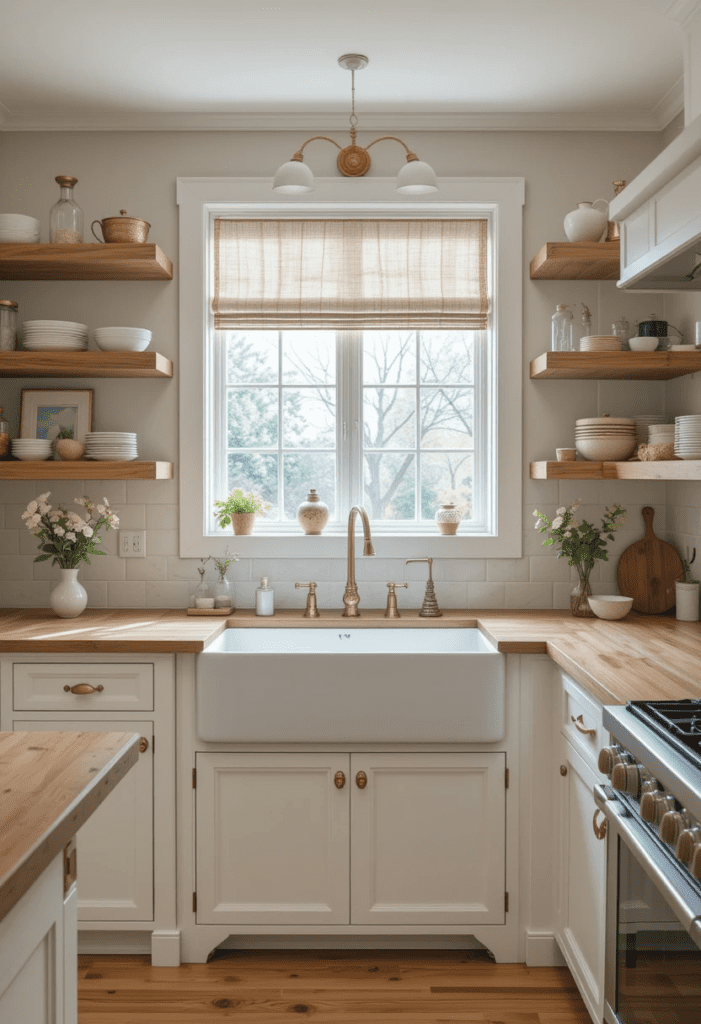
(341, 987)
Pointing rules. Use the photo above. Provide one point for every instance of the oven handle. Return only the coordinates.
(687, 910)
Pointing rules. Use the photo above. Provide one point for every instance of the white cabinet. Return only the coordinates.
(33, 975)
(426, 834)
(115, 846)
(582, 876)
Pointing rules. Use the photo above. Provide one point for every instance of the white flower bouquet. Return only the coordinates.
(66, 537)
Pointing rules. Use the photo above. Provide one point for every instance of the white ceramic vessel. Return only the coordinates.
(610, 606)
(687, 595)
(586, 223)
(69, 598)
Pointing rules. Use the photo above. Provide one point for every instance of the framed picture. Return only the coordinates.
(45, 412)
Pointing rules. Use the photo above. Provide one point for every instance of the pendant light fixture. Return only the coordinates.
(295, 178)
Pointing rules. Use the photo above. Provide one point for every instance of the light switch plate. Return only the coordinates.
(132, 543)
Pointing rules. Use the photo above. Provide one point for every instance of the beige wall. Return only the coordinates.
(137, 172)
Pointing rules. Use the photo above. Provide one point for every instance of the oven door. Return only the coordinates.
(653, 926)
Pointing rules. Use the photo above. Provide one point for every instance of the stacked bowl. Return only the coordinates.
(687, 437)
(643, 424)
(600, 343)
(47, 335)
(110, 446)
(32, 449)
(661, 433)
(605, 438)
(122, 339)
(15, 227)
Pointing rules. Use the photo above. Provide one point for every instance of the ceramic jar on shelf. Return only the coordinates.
(66, 217)
(313, 514)
(448, 518)
(587, 223)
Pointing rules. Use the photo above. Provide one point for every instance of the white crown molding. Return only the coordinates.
(682, 11)
(314, 122)
(671, 104)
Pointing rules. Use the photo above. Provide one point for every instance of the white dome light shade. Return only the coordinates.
(416, 177)
(294, 177)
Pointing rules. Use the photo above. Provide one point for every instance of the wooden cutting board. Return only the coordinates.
(648, 570)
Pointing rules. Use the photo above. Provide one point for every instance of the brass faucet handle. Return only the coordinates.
(311, 611)
(392, 612)
(430, 565)
(429, 609)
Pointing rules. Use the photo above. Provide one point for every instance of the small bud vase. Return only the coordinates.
(579, 600)
(448, 519)
(243, 523)
(69, 598)
(313, 514)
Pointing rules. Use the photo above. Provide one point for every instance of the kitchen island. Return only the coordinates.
(50, 784)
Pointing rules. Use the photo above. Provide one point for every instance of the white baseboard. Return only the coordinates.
(165, 949)
(542, 950)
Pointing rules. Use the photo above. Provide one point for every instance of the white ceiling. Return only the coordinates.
(200, 64)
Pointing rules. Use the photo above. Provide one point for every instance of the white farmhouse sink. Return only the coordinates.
(325, 685)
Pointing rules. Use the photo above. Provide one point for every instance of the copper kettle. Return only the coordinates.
(121, 229)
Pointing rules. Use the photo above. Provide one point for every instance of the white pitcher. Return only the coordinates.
(587, 223)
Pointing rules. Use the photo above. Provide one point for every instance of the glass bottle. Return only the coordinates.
(201, 596)
(265, 598)
(224, 593)
(4, 437)
(622, 329)
(562, 329)
(8, 325)
(66, 224)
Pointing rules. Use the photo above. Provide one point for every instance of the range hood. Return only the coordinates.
(660, 217)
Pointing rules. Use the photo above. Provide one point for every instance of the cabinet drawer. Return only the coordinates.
(49, 687)
(582, 722)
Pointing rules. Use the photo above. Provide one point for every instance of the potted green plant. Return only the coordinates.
(240, 510)
(581, 544)
(66, 447)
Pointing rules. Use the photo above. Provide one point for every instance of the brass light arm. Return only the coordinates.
(409, 155)
(300, 151)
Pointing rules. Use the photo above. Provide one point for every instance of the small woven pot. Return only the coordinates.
(69, 450)
(656, 452)
(243, 523)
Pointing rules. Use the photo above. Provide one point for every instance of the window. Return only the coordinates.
(396, 416)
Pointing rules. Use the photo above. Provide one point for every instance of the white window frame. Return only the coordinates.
(201, 200)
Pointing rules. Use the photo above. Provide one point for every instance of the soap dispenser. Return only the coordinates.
(265, 598)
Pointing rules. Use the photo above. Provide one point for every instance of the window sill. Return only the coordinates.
(334, 545)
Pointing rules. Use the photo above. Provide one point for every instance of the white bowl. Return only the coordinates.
(610, 449)
(19, 220)
(610, 606)
(125, 345)
(643, 344)
(123, 330)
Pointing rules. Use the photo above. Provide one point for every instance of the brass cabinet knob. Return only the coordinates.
(581, 727)
(143, 745)
(83, 688)
(339, 780)
(563, 770)
(361, 780)
(600, 830)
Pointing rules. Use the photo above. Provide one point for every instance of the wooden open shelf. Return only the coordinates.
(684, 469)
(86, 469)
(84, 364)
(577, 261)
(615, 365)
(85, 262)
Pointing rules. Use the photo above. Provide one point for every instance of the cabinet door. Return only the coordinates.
(115, 846)
(428, 839)
(272, 839)
(582, 880)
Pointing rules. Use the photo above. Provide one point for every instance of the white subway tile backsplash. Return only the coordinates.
(9, 542)
(152, 492)
(97, 593)
(469, 570)
(126, 595)
(486, 595)
(512, 570)
(23, 593)
(160, 517)
(166, 594)
(528, 595)
(151, 567)
(133, 517)
(15, 567)
(549, 569)
(161, 542)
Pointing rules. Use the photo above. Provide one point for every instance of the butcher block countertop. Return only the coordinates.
(50, 784)
(643, 657)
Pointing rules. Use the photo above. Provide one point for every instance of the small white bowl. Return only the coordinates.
(610, 606)
(643, 344)
(20, 221)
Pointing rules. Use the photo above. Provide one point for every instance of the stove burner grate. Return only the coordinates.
(678, 721)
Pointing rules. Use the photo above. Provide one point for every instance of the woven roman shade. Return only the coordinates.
(350, 274)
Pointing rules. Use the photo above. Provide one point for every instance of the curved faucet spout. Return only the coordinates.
(351, 598)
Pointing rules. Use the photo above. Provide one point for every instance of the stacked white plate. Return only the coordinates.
(32, 449)
(600, 343)
(110, 446)
(605, 438)
(15, 227)
(46, 335)
(687, 437)
(122, 339)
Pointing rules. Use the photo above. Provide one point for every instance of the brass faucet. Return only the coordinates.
(429, 609)
(392, 612)
(311, 611)
(351, 598)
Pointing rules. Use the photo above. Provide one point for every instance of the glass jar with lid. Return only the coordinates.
(562, 329)
(8, 325)
(66, 222)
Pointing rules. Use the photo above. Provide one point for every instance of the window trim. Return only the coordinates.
(202, 199)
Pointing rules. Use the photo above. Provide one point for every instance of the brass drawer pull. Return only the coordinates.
(361, 780)
(84, 688)
(600, 830)
(143, 745)
(580, 726)
(339, 780)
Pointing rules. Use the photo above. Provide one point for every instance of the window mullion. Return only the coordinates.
(350, 420)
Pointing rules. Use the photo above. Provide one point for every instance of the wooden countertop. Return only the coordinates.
(643, 657)
(50, 784)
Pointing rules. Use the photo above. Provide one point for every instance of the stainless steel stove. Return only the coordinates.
(653, 807)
